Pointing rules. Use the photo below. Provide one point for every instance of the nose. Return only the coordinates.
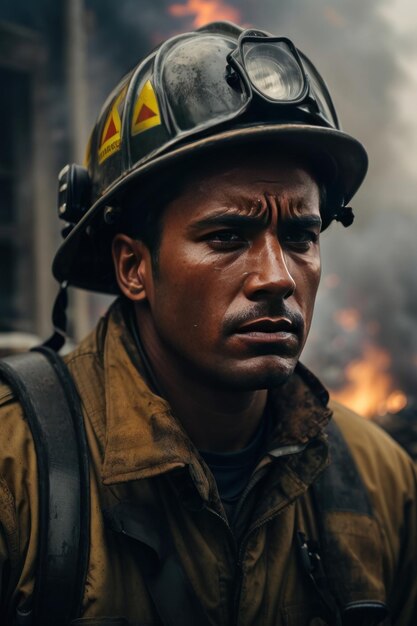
(269, 275)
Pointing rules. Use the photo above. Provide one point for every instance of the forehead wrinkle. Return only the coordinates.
(268, 204)
(295, 205)
(253, 206)
(280, 205)
(259, 209)
(255, 199)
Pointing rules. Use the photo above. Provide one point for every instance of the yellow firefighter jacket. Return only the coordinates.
(143, 462)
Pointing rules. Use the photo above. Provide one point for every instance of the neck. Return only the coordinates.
(215, 420)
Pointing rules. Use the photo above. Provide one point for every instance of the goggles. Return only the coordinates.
(276, 71)
(262, 79)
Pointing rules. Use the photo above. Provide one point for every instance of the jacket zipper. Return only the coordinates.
(239, 550)
(254, 480)
(240, 562)
(236, 550)
(287, 451)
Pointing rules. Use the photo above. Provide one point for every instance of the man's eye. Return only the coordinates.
(301, 239)
(225, 238)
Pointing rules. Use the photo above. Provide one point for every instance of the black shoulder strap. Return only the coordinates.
(51, 406)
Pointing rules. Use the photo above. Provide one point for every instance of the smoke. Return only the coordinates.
(370, 272)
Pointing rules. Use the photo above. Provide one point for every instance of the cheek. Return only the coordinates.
(306, 273)
(191, 298)
(314, 277)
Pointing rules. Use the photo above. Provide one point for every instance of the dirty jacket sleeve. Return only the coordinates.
(390, 478)
(18, 505)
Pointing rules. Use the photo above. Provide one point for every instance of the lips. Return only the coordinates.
(269, 336)
(268, 326)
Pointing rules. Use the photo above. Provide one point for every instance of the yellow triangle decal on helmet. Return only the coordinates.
(110, 137)
(146, 111)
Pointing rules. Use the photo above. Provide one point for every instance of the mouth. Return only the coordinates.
(267, 325)
(270, 331)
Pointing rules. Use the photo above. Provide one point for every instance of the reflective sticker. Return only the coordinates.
(146, 112)
(110, 137)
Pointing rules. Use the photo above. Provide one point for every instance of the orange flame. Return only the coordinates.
(205, 11)
(369, 390)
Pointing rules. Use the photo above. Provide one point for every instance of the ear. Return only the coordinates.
(132, 265)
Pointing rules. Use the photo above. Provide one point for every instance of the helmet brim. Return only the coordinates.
(76, 260)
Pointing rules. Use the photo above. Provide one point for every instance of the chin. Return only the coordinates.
(269, 379)
(264, 373)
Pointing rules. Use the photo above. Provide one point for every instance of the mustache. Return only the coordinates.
(233, 321)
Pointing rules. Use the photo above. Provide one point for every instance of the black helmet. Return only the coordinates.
(199, 91)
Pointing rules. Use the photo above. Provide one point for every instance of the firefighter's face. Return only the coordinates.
(239, 266)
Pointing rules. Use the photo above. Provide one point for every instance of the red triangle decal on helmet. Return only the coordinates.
(111, 130)
(145, 113)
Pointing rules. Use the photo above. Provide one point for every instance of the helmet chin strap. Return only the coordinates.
(59, 320)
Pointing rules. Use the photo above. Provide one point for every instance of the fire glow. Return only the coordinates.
(369, 388)
(205, 11)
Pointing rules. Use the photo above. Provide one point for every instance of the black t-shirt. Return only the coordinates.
(232, 470)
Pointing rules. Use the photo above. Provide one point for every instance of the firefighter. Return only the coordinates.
(211, 172)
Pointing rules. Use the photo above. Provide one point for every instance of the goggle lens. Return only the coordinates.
(273, 70)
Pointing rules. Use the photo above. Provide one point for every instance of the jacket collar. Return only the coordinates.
(144, 439)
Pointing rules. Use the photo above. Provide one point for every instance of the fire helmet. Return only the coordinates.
(197, 92)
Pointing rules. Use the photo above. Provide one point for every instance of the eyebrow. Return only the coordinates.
(238, 219)
(305, 221)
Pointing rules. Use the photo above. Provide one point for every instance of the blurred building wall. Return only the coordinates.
(26, 183)
(45, 123)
